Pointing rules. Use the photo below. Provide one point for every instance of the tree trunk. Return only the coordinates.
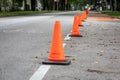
(25, 5)
(33, 5)
(115, 5)
(111, 5)
(118, 5)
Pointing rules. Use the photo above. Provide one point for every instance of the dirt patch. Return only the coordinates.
(102, 18)
(101, 72)
(95, 14)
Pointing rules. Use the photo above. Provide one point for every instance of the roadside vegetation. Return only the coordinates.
(115, 14)
(16, 13)
(112, 13)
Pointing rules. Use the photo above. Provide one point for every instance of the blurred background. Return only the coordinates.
(62, 5)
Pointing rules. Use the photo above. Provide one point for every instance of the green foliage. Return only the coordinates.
(5, 5)
(113, 13)
(82, 3)
(50, 5)
(15, 13)
(10, 5)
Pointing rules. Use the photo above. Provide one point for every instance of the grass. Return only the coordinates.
(112, 13)
(16, 13)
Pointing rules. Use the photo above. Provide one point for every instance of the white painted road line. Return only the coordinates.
(67, 37)
(40, 73)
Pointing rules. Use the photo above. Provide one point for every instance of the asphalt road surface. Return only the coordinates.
(25, 43)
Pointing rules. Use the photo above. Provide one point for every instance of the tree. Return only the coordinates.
(0, 4)
(5, 5)
(118, 5)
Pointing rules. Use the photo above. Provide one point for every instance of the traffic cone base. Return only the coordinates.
(75, 35)
(80, 25)
(65, 62)
(83, 20)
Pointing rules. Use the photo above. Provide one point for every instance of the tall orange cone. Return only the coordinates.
(56, 55)
(79, 20)
(75, 29)
(87, 11)
(83, 16)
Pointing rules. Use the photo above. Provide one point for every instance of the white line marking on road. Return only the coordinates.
(67, 37)
(40, 73)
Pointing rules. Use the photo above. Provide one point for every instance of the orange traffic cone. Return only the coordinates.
(85, 14)
(87, 11)
(56, 55)
(79, 20)
(83, 17)
(75, 29)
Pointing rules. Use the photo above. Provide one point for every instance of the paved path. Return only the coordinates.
(25, 43)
